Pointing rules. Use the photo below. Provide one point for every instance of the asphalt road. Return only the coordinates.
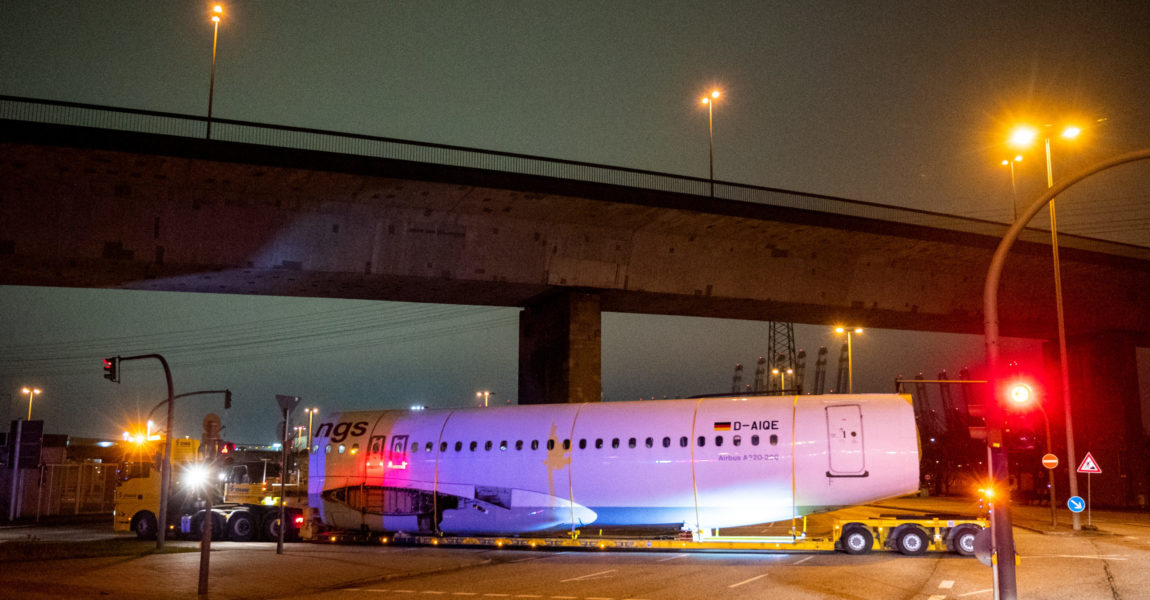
(1113, 563)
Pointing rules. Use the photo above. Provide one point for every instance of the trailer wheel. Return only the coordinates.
(963, 539)
(271, 527)
(218, 526)
(145, 525)
(912, 542)
(241, 527)
(857, 540)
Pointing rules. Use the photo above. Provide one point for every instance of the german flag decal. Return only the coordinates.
(722, 425)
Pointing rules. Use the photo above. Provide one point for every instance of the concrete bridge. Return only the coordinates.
(143, 202)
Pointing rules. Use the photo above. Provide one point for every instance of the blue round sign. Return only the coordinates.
(1076, 504)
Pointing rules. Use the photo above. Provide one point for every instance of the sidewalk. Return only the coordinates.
(238, 572)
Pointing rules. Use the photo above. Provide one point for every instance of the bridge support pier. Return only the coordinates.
(1108, 414)
(560, 350)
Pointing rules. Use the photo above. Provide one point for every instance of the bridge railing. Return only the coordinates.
(229, 130)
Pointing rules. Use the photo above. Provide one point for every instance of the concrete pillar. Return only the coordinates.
(560, 350)
(1107, 409)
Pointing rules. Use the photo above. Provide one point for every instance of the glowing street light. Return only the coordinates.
(1023, 137)
(32, 393)
(850, 358)
(217, 12)
(1013, 187)
(782, 378)
(710, 102)
(310, 414)
(486, 395)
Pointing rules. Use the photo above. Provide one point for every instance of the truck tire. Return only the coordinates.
(962, 540)
(912, 542)
(241, 527)
(219, 526)
(144, 524)
(271, 527)
(856, 540)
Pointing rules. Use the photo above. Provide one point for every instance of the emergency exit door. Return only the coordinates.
(845, 441)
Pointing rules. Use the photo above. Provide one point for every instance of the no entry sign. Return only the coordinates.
(1049, 461)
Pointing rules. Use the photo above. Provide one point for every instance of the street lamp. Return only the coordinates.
(1013, 187)
(217, 12)
(310, 413)
(850, 358)
(782, 379)
(32, 393)
(1022, 137)
(486, 395)
(710, 102)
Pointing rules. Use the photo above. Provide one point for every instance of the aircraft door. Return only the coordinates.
(845, 441)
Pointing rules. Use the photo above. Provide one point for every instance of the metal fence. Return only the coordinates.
(228, 130)
(77, 489)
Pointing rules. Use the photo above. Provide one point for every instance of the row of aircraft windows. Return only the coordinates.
(615, 443)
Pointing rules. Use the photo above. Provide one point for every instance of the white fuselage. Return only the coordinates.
(695, 463)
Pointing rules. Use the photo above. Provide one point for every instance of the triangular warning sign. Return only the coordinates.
(1089, 465)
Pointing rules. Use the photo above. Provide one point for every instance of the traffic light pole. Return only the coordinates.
(1005, 584)
(166, 465)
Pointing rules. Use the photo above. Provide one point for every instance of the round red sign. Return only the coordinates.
(1049, 461)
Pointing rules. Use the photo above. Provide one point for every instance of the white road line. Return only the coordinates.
(946, 584)
(974, 593)
(801, 561)
(528, 596)
(433, 593)
(496, 595)
(937, 597)
(464, 594)
(676, 557)
(735, 585)
(585, 577)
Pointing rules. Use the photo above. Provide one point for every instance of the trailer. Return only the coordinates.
(907, 535)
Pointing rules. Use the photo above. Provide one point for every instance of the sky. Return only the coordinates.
(903, 103)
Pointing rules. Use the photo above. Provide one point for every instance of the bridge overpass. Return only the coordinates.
(113, 198)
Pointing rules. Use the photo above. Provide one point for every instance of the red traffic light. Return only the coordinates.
(1020, 393)
(111, 369)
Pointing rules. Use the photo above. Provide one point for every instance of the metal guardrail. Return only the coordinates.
(302, 138)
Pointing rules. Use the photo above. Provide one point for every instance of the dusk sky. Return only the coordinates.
(891, 102)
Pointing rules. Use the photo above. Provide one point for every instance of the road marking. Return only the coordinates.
(1098, 556)
(987, 590)
(799, 562)
(434, 593)
(937, 597)
(677, 556)
(946, 584)
(564, 597)
(597, 598)
(735, 585)
(464, 594)
(528, 596)
(585, 577)
(496, 595)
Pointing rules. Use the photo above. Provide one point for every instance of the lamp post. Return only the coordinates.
(486, 395)
(1023, 137)
(217, 12)
(1013, 187)
(710, 102)
(32, 393)
(310, 413)
(850, 355)
(782, 379)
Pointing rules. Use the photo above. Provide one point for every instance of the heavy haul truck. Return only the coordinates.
(240, 511)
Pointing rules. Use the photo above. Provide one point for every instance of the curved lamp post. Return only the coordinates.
(1000, 524)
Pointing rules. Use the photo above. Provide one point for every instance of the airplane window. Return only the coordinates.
(428, 447)
(774, 440)
(315, 449)
(328, 449)
(550, 444)
(566, 444)
(666, 442)
(754, 440)
(737, 440)
(683, 442)
(354, 449)
(518, 444)
(631, 443)
(534, 444)
(458, 446)
(487, 446)
(342, 448)
(615, 443)
(702, 441)
(650, 442)
(598, 443)
(415, 447)
(503, 445)
(583, 444)
(443, 446)
(474, 445)
(718, 440)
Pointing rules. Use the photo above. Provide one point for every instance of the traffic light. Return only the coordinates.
(112, 369)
